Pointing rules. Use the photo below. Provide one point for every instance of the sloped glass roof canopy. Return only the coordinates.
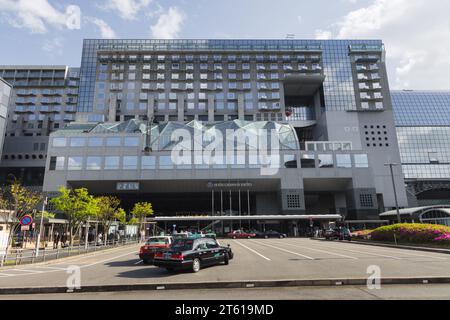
(236, 133)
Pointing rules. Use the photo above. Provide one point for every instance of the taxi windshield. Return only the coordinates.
(183, 244)
(156, 241)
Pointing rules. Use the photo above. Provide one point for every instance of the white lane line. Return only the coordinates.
(371, 253)
(324, 251)
(138, 262)
(399, 251)
(55, 268)
(109, 259)
(250, 249)
(291, 252)
(6, 275)
(26, 270)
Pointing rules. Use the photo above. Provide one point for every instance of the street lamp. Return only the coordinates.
(391, 165)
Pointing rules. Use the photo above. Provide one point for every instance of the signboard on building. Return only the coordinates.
(127, 186)
(229, 184)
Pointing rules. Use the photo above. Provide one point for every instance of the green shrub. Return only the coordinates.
(410, 232)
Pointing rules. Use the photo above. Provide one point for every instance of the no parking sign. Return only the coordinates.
(26, 220)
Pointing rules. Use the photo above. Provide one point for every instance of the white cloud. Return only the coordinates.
(416, 35)
(54, 47)
(105, 30)
(36, 15)
(169, 24)
(127, 9)
(323, 35)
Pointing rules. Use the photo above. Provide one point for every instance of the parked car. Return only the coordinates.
(273, 234)
(338, 234)
(331, 234)
(153, 244)
(193, 254)
(239, 234)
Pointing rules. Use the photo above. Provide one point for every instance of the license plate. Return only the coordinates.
(167, 256)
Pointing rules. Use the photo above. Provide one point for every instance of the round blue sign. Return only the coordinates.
(26, 220)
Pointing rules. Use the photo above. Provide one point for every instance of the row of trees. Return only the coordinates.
(77, 205)
(80, 207)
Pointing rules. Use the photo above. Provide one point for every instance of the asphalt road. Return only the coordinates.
(261, 259)
(388, 292)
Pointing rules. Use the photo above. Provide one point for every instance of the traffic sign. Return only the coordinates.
(24, 228)
(26, 220)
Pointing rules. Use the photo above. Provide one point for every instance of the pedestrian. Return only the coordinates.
(56, 241)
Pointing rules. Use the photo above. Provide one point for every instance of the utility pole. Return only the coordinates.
(38, 240)
(391, 165)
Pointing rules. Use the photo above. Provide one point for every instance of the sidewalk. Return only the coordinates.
(28, 256)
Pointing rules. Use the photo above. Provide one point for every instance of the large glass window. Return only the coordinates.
(308, 161)
(113, 142)
(148, 162)
(131, 141)
(59, 142)
(112, 163)
(77, 142)
(326, 161)
(57, 163)
(75, 163)
(165, 162)
(95, 142)
(343, 161)
(130, 163)
(94, 163)
(361, 161)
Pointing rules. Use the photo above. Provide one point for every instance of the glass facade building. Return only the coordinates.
(423, 129)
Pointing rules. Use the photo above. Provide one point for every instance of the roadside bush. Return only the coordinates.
(412, 232)
(362, 234)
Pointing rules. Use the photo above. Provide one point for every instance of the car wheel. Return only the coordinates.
(170, 269)
(145, 261)
(234, 237)
(226, 259)
(249, 237)
(266, 237)
(196, 265)
(281, 236)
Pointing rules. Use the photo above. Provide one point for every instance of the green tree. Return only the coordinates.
(109, 211)
(17, 201)
(140, 211)
(78, 205)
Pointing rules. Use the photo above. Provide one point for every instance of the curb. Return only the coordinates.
(224, 285)
(426, 249)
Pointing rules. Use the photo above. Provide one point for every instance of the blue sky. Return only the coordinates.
(45, 31)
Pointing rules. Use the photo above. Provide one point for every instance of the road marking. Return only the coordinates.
(26, 270)
(55, 268)
(318, 250)
(298, 254)
(109, 259)
(372, 254)
(399, 251)
(138, 262)
(6, 275)
(259, 254)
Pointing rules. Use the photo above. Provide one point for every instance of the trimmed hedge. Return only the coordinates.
(412, 232)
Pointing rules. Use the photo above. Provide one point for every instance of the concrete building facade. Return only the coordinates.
(328, 101)
(43, 100)
(5, 93)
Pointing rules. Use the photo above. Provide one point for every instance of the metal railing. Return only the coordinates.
(30, 256)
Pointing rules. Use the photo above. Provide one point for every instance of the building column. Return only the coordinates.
(180, 107)
(211, 108)
(112, 109)
(150, 106)
(241, 106)
(292, 194)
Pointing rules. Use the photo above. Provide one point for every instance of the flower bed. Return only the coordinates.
(412, 233)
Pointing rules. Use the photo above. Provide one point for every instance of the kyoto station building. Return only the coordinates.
(223, 134)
